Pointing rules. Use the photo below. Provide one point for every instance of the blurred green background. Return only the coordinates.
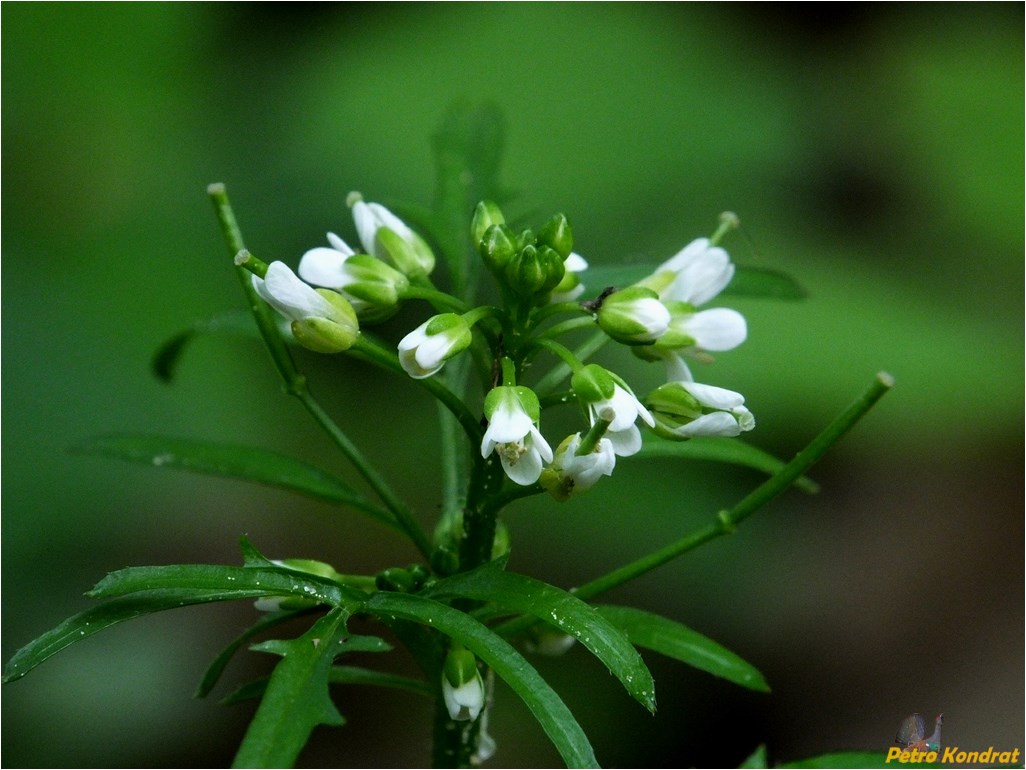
(873, 151)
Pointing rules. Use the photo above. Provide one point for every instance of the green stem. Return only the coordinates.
(727, 521)
(295, 382)
(439, 300)
(570, 325)
(561, 371)
(404, 516)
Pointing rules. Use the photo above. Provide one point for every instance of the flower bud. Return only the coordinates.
(570, 288)
(387, 237)
(634, 316)
(686, 409)
(486, 214)
(497, 247)
(322, 320)
(425, 350)
(534, 272)
(462, 686)
(558, 235)
(571, 472)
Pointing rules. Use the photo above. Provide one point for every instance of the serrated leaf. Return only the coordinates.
(677, 641)
(237, 322)
(296, 699)
(232, 461)
(756, 282)
(717, 449)
(757, 760)
(845, 759)
(555, 718)
(558, 608)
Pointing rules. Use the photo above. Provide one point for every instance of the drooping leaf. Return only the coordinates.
(748, 281)
(236, 322)
(555, 718)
(723, 450)
(339, 675)
(296, 699)
(757, 760)
(231, 461)
(679, 642)
(519, 593)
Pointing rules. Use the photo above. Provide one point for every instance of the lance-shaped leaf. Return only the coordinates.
(296, 699)
(758, 282)
(234, 322)
(231, 461)
(519, 593)
(136, 591)
(555, 718)
(679, 642)
(719, 449)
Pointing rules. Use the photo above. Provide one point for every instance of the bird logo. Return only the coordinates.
(912, 730)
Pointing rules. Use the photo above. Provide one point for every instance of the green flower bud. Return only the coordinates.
(687, 409)
(425, 350)
(634, 316)
(535, 272)
(331, 334)
(410, 254)
(497, 247)
(558, 235)
(462, 686)
(486, 214)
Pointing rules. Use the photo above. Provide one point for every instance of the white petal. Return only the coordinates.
(625, 442)
(575, 263)
(386, 218)
(704, 278)
(714, 397)
(366, 227)
(323, 267)
(526, 470)
(676, 368)
(717, 329)
(715, 424)
(509, 422)
(339, 245)
(539, 443)
(290, 296)
(685, 256)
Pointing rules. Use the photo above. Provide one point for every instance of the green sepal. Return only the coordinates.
(558, 235)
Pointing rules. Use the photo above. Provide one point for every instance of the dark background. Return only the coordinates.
(875, 152)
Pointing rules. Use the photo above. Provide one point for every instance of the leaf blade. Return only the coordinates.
(555, 718)
(677, 641)
(231, 461)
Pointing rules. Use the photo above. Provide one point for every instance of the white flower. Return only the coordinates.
(695, 274)
(462, 686)
(570, 472)
(513, 433)
(689, 409)
(369, 284)
(387, 237)
(693, 334)
(425, 350)
(623, 433)
(322, 320)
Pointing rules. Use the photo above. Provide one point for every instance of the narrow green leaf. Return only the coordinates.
(679, 642)
(236, 322)
(555, 718)
(212, 582)
(723, 450)
(339, 675)
(844, 759)
(230, 461)
(214, 671)
(757, 282)
(558, 608)
(757, 760)
(296, 699)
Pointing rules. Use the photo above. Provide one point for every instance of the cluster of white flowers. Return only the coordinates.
(659, 317)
